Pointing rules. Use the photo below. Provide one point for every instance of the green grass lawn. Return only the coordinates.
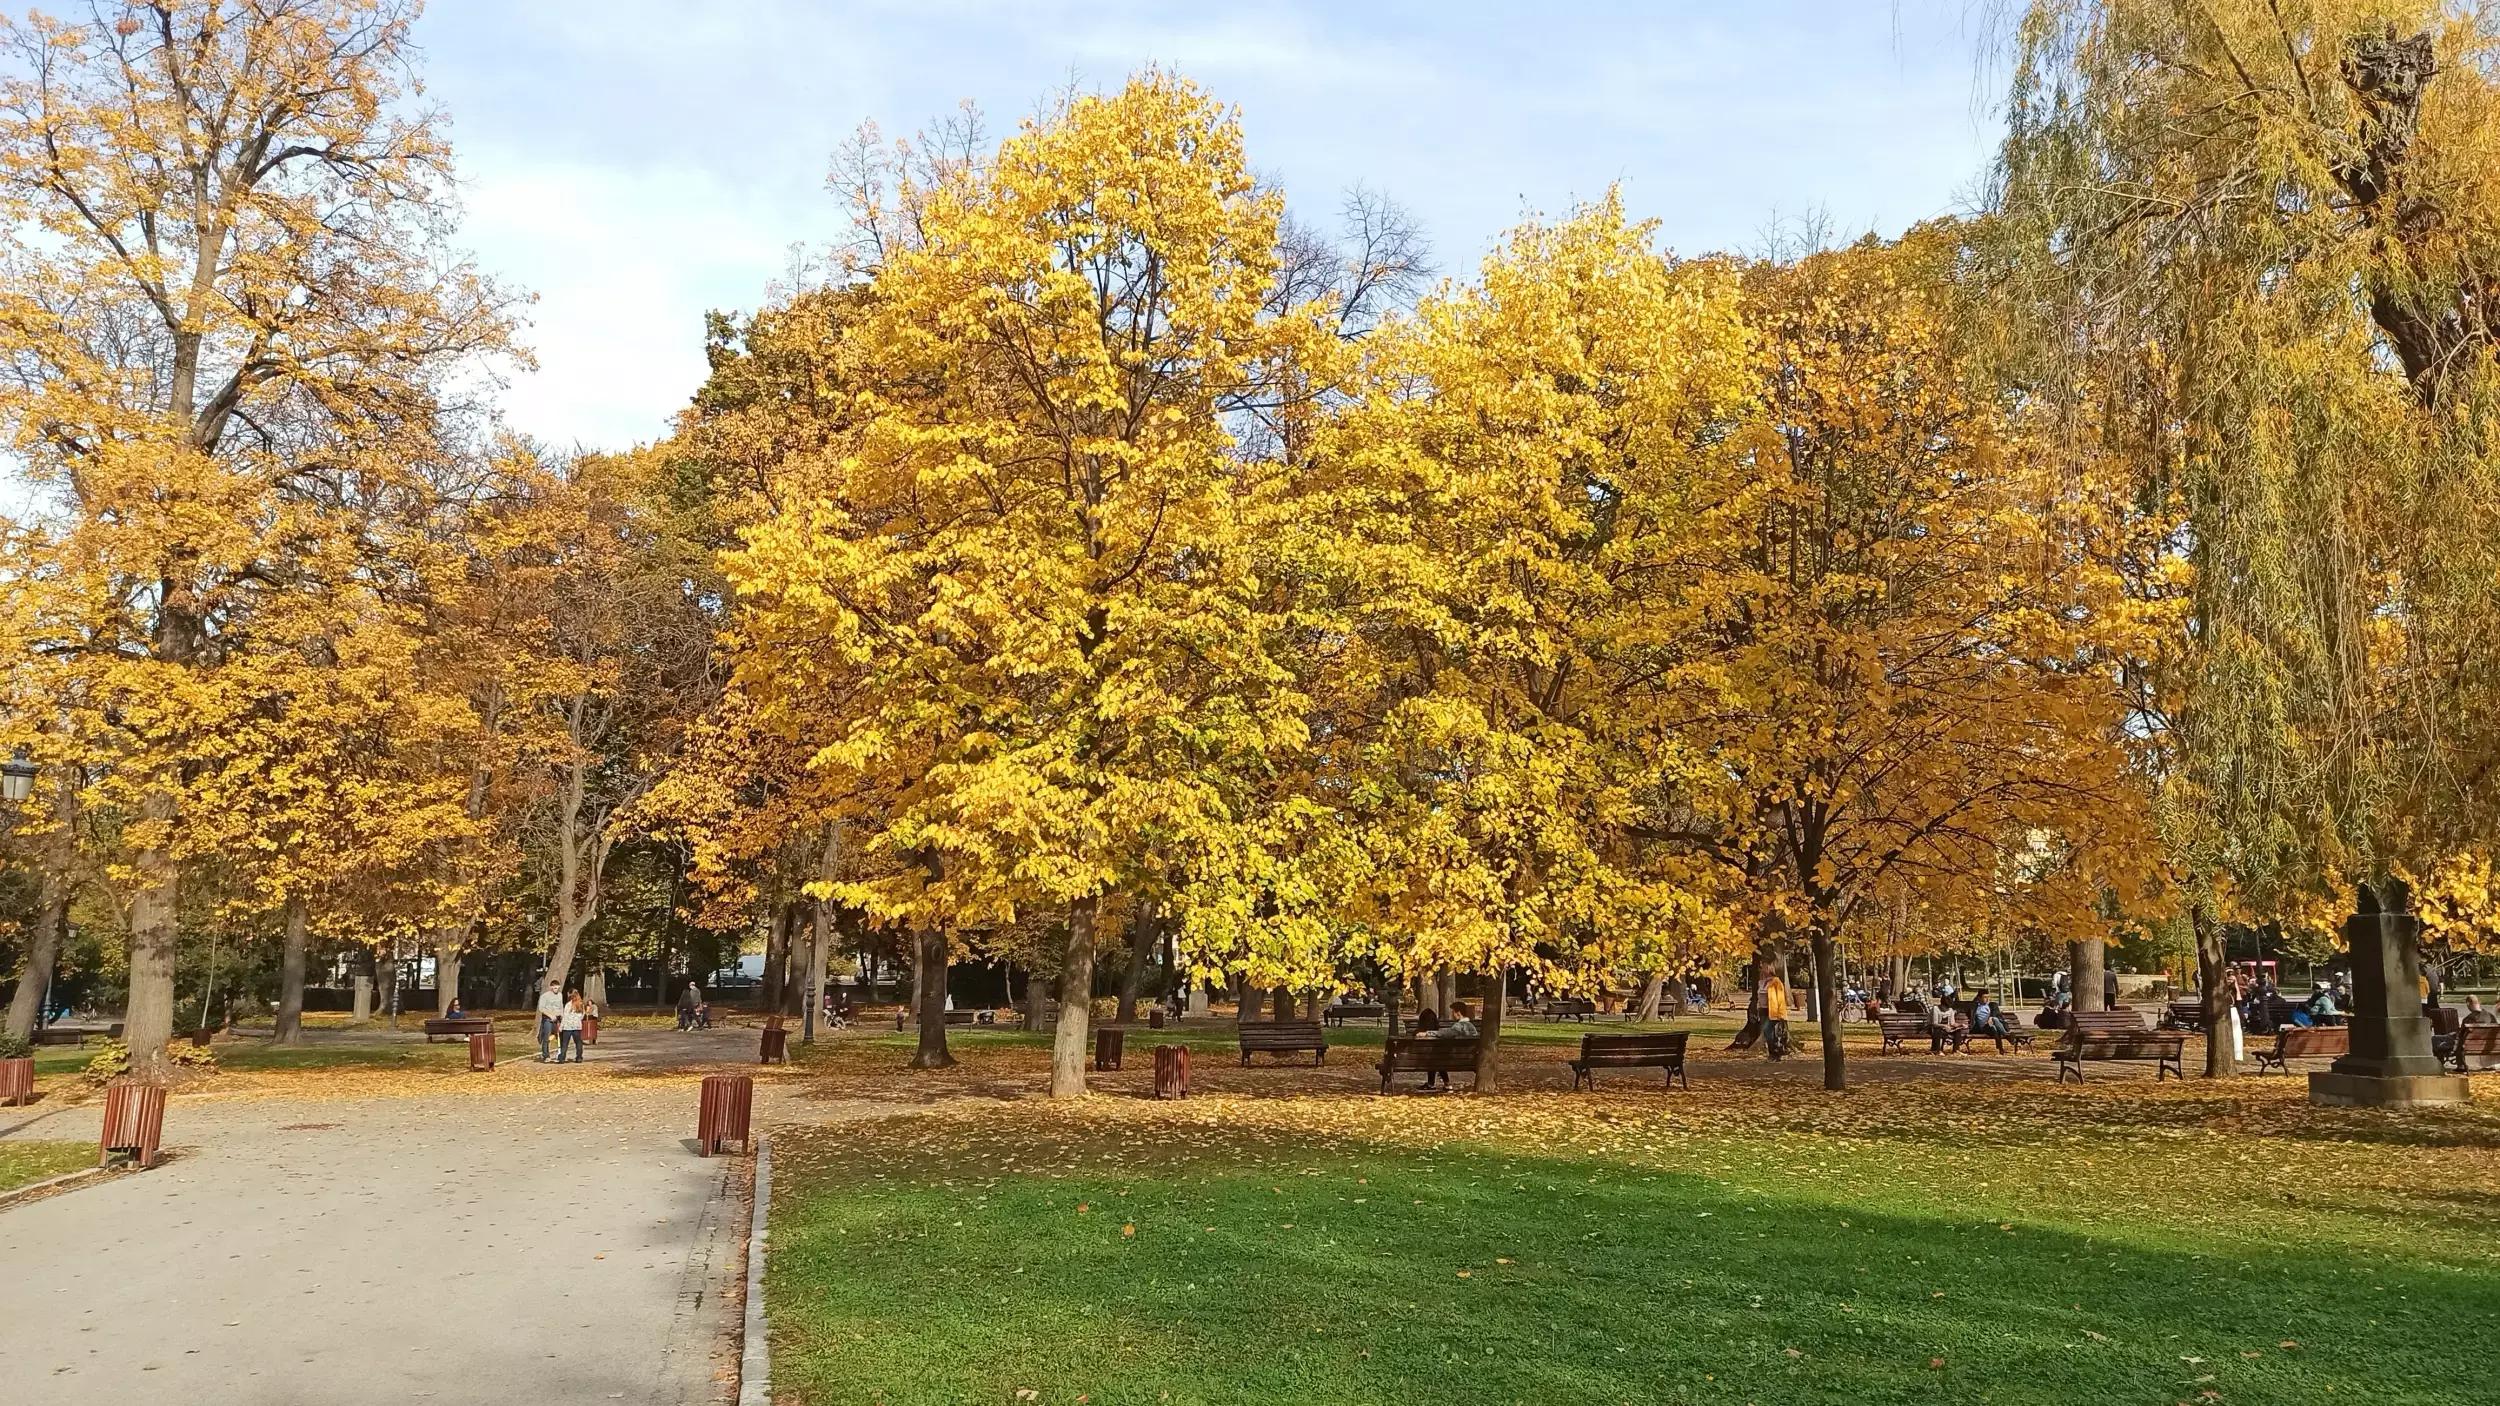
(24, 1162)
(1118, 1255)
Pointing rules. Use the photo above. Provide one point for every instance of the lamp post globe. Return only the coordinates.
(17, 778)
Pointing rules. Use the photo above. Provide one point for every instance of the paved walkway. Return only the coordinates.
(555, 1248)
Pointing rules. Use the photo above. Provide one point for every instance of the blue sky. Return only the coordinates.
(635, 162)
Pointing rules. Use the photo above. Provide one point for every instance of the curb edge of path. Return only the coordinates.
(755, 1374)
(37, 1190)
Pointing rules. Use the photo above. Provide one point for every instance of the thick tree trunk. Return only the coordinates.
(1445, 991)
(1389, 1006)
(1284, 1003)
(1253, 1002)
(929, 1000)
(2211, 967)
(1489, 1032)
(1827, 1007)
(43, 945)
(291, 973)
(1076, 1005)
(1143, 932)
(155, 926)
(2086, 964)
(1653, 991)
(595, 987)
(1422, 991)
(447, 954)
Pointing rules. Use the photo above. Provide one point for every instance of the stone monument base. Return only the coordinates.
(2334, 1090)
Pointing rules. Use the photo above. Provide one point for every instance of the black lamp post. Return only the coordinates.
(17, 783)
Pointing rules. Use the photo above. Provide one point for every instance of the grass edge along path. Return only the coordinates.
(1333, 1250)
(23, 1163)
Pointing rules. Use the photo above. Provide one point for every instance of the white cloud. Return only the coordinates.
(623, 263)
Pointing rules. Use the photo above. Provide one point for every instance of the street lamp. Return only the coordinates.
(17, 778)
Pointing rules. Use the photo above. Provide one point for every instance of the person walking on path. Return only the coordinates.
(550, 1011)
(569, 1027)
(689, 1001)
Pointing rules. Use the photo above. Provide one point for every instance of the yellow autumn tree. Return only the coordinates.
(1895, 640)
(1516, 481)
(228, 309)
(1028, 565)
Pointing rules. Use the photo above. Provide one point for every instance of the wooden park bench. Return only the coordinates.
(2476, 1042)
(1344, 1011)
(1569, 1008)
(1283, 1037)
(1420, 1054)
(2184, 1015)
(69, 1033)
(1631, 1052)
(1897, 1028)
(459, 1027)
(2118, 1034)
(2306, 1042)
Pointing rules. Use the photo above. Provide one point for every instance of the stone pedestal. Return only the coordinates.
(2390, 1064)
(1197, 1008)
(2333, 1090)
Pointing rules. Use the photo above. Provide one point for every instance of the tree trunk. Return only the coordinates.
(929, 996)
(1827, 1005)
(1253, 1001)
(1445, 990)
(363, 983)
(1489, 1031)
(1389, 1007)
(447, 953)
(1076, 1005)
(595, 987)
(43, 945)
(820, 947)
(1653, 991)
(1284, 1003)
(155, 926)
(2211, 967)
(2086, 961)
(291, 974)
(776, 961)
(1422, 990)
(1143, 932)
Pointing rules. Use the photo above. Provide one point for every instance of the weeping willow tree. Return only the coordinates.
(2254, 244)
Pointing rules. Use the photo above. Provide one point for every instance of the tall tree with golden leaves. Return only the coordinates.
(1028, 564)
(225, 309)
(1899, 624)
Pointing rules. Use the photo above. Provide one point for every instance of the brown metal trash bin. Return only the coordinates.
(1171, 1071)
(134, 1121)
(1107, 1045)
(727, 1112)
(482, 1050)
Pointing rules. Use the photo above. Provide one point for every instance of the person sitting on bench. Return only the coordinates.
(1944, 1027)
(2320, 1009)
(1987, 1020)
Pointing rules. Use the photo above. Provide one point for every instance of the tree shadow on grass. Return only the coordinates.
(1263, 1269)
